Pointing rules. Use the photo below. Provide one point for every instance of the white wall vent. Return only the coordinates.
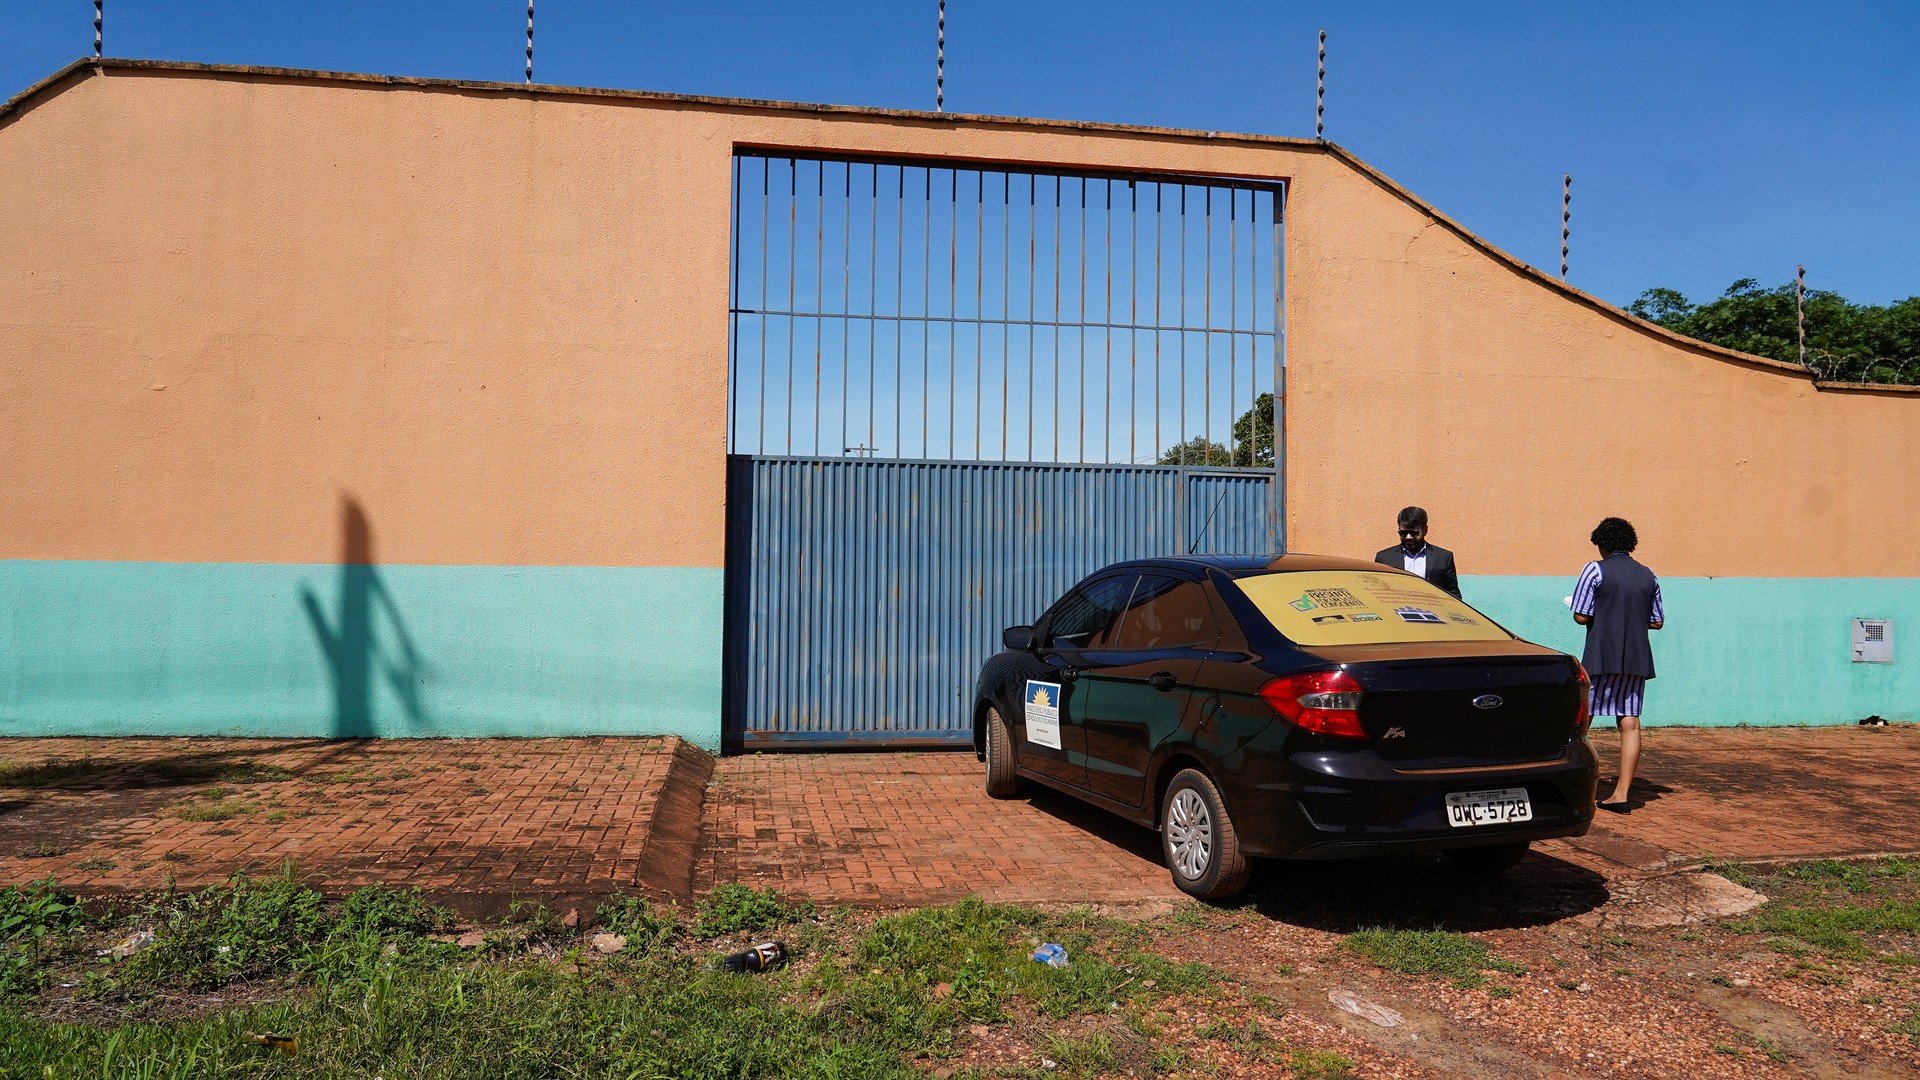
(1873, 641)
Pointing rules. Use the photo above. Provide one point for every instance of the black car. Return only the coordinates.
(1290, 706)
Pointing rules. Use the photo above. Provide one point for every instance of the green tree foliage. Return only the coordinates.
(1252, 442)
(1846, 342)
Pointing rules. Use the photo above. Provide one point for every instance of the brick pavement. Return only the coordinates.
(480, 818)
(495, 819)
(913, 828)
(1773, 793)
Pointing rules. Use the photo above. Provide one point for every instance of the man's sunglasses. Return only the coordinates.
(1411, 532)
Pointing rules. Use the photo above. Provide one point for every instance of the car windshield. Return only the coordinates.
(1356, 607)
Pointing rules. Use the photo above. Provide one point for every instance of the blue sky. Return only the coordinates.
(1707, 141)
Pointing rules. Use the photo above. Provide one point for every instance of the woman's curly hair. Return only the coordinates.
(1615, 534)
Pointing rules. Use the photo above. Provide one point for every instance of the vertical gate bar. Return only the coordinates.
(926, 336)
(979, 302)
(873, 308)
(1080, 391)
(1106, 340)
(1206, 335)
(1007, 308)
(900, 301)
(1159, 226)
(766, 200)
(953, 313)
(1183, 324)
(733, 322)
(1233, 319)
(793, 245)
(1056, 316)
(1133, 320)
(819, 286)
(846, 307)
(1033, 241)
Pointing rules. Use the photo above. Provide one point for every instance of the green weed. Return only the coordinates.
(732, 909)
(1836, 929)
(1430, 952)
(1320, 1065)
(636, 919)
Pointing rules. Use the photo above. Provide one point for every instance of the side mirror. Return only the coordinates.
(1017, 638)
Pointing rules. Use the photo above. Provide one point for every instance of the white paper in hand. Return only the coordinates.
(1567, 600)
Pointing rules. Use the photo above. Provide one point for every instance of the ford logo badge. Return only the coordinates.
(1488, 701)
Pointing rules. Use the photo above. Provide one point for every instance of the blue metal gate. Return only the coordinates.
(863, 595)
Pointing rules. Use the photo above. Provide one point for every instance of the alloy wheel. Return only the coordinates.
(1189, 834)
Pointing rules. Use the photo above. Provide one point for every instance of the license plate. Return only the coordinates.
(1466, 809)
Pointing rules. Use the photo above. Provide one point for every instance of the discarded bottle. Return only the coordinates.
(286, 1044)
(758, 958)
(1051, 955)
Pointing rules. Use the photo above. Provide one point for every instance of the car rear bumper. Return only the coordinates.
(1331, 804)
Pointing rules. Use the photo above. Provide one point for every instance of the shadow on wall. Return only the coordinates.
(367, 635)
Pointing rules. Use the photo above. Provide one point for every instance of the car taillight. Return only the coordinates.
(1585, 716)
(1326, 702)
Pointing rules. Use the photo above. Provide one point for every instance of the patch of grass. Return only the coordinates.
(1430, 952)
(1856, 877)
(636, 919)
(252, 772)
(251, 928)
(1910, 1027)
(1091, 1055)
(54, 771)
(95, 865)
(387, 1003)
(731, 909)
(1835, 929)
(1320, 1065)
(530, 926)
(31, 917)
(217, 810)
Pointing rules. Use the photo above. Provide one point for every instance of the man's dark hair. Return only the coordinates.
(1615, 534)
(1413, 516)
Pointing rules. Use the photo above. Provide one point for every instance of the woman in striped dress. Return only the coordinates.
(1618, 601)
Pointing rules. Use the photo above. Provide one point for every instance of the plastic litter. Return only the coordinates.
(286, 1044)
(759, 958)
(1051, 955)
(129, 945)
(1348, 1001)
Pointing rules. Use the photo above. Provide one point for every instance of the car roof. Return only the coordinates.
(1255, 564)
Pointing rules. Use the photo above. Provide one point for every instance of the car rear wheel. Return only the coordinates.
(1201, 847)
(1003, 778)
(1489, 861)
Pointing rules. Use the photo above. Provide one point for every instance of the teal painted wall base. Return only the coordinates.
(112, 648)
(1745, 650)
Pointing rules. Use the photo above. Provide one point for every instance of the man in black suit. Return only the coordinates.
(1416, 556)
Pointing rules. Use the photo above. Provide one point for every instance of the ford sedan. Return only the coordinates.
(1290, 706)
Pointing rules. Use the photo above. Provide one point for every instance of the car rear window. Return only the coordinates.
(1354, 607)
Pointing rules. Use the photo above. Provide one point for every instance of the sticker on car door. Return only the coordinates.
(1043, 713)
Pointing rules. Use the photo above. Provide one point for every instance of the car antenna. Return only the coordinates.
(1209, 522)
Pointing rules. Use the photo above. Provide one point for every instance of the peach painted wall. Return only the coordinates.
(499, 320)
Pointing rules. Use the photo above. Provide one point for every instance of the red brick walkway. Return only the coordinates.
(556, 818)
(893, 828)
(1770, 793)
(482, 817)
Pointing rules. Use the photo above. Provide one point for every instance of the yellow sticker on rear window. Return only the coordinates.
(1356, 607)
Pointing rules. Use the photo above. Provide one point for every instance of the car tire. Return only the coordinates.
(1197, 837)
(1003, 773)
(1490, 861)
